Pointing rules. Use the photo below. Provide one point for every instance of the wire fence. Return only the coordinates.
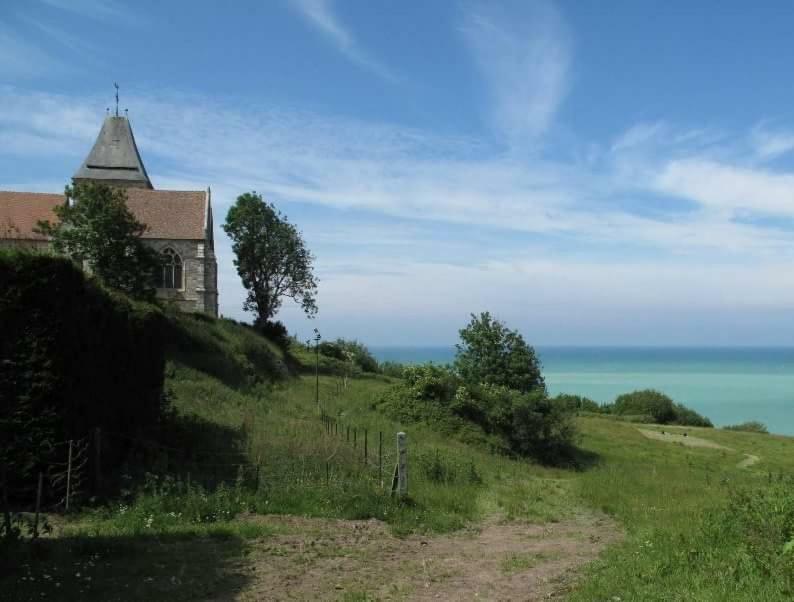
(77, 471)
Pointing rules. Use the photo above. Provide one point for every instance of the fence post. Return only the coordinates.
(69, 476)
(38, 507)
(380, 458)
(355, 436)
(6, 509)
(402, 465)
(98, 459)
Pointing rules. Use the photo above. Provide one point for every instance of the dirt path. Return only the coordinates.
(691, 441)
(687, 440)
(350, 560)
(748, 461)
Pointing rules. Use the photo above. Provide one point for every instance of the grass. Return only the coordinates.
(682, 540)
(241, 402)
(517, 562)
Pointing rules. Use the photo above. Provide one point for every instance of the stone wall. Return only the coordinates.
(199, 276)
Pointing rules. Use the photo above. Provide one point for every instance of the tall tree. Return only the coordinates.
(96, 226)
(271, 258)
(491, 353)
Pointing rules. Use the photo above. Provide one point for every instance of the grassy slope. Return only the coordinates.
(662, 492)
(241, 397)
(240, 400)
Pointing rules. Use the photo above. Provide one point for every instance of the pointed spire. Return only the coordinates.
(115, 159)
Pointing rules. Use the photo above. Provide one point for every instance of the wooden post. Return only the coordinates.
(38, 507)
(380, 458)
(98, 459)
(6, 509)
(402, 465)
(69, 476)
(355, 436)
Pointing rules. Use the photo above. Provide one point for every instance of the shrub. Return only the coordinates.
(491, 353)
(393, 369)
(577, 403)
(658, 406)
(346, 351)
(73, 356)
(274, 331)
(647, 402)
(752, 426)
(527, 424)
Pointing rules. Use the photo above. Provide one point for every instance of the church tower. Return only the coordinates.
(114, 159)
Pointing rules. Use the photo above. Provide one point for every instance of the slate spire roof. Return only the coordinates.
(115, 156)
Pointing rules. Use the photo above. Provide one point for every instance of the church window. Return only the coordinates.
(171, 276)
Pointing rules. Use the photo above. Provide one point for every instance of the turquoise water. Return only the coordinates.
(728, 385)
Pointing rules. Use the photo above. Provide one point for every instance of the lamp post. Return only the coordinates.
(317, 338)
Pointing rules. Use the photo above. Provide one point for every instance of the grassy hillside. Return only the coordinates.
(246, 439)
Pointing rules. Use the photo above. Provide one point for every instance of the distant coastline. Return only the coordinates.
(727, 384)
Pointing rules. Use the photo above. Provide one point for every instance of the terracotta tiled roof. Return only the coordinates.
(176, 214)
(21, 211)
(169, 214)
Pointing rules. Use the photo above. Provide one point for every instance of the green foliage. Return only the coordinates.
(350, 351)
(526, 424)
(491, 353)
(96, 227)
(659, 407)
(752, 426)
(393, 369)
(270, 256)
(576, 403)
(73, 356)
(234, 353)
(276, 332)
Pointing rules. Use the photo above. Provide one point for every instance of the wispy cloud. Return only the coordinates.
(524, 53)
(320, 14)
(467, 213)
(21, 59)
(100, 10)
(770, 144)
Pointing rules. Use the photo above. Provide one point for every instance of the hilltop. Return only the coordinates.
(249, 488)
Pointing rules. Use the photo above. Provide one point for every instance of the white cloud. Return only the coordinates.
(770, 144)
(525, 56)
(728, 187)
(470, 220)
(320, 14)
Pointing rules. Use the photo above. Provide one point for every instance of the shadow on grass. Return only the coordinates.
(163, 567)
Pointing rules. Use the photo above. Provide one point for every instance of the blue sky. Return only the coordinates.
(592, 173)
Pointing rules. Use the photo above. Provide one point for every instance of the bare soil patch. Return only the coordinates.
(748, 461)
(345, 560)
(687, 439)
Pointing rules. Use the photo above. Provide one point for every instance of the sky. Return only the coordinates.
(591, 173)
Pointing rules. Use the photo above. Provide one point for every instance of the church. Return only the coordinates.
(179, 222)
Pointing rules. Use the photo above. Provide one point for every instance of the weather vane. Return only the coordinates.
(117, 98)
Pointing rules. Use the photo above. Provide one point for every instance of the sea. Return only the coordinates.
(727, 384)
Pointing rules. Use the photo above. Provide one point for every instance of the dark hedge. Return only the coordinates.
(73, 356)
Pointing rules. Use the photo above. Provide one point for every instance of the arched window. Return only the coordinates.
(171, 269)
